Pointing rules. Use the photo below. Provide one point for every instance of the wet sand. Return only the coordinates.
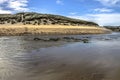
(22, 59)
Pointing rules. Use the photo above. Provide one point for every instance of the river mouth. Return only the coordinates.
(25, 59)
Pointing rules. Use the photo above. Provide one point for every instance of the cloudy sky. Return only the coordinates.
(104, 12)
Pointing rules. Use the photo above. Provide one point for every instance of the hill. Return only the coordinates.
(41, 19)
(113, 28)
(45, 24)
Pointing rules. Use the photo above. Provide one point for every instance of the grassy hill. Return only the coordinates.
(45, 24)
(41, 19)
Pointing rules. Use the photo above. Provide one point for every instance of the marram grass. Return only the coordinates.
(18, 29)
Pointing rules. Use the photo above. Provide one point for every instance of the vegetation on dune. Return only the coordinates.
(113, 28)
(27, 23)
(41, 19)
(49, 30)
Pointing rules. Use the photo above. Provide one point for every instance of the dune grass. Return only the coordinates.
(19, 29)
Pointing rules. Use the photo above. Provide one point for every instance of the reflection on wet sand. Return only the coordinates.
(34, 60)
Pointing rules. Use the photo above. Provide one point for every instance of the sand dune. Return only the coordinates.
(18, 29)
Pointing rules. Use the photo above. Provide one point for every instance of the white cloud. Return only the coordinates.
(106, 19)
(5, 11)
(109, 2)
(101, 19)
(80, 17)
(59, 2)
(9, 6)
(103, 10)
(73, 13)
(18, 5)
(2, 1)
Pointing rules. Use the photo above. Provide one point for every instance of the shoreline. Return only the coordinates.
(21, 30)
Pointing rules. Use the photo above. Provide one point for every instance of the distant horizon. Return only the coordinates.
(103, 12)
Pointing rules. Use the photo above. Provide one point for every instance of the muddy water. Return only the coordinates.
(22, 59)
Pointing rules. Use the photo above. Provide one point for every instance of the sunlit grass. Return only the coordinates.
(18, 29)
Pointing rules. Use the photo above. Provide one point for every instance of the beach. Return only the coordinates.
(22, 58)
(20, 29)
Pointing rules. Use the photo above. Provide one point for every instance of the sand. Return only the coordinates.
(19, 29)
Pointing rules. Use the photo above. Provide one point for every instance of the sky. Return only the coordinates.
(103, 12)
